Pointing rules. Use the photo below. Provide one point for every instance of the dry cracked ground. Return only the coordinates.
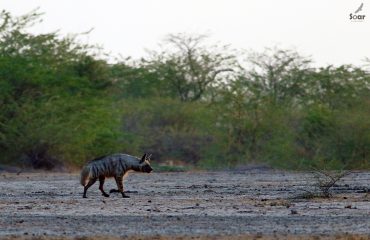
(192, 205)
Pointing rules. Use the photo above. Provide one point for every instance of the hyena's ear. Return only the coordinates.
(148, 157)
(143, 158)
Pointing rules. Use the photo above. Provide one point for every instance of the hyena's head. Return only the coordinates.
(145, 163)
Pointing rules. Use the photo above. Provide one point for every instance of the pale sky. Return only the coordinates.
(318, 28)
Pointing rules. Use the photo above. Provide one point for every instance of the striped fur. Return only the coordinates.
(116, 165)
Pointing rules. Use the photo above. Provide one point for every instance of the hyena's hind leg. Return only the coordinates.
(89, 184)
(119, 181)
(101, 183)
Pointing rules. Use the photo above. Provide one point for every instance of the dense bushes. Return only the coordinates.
(168, 128)
(61, 104)
(54, 104)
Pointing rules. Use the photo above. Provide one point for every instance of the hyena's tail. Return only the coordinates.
(85, 175)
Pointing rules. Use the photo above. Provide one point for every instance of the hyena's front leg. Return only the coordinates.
(89, 184)
(101, 183)
(119, 181)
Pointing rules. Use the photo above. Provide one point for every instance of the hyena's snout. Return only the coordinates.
(147, 169)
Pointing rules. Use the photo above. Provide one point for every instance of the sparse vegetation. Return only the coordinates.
(324, 181)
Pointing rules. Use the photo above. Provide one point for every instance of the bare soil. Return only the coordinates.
(193, 205)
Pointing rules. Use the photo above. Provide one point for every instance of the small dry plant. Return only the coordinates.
(324, 181)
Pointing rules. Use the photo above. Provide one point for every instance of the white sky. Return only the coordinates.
(320, 28)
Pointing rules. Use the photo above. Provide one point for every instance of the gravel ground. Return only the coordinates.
(202, 205)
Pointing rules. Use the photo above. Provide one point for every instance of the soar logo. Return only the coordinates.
(354, 17)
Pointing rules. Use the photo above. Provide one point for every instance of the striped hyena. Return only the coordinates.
(116, 165)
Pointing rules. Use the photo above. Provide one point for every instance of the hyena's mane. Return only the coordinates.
(98, 158)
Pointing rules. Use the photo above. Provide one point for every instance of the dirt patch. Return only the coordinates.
(194, 205)
(209, 237)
